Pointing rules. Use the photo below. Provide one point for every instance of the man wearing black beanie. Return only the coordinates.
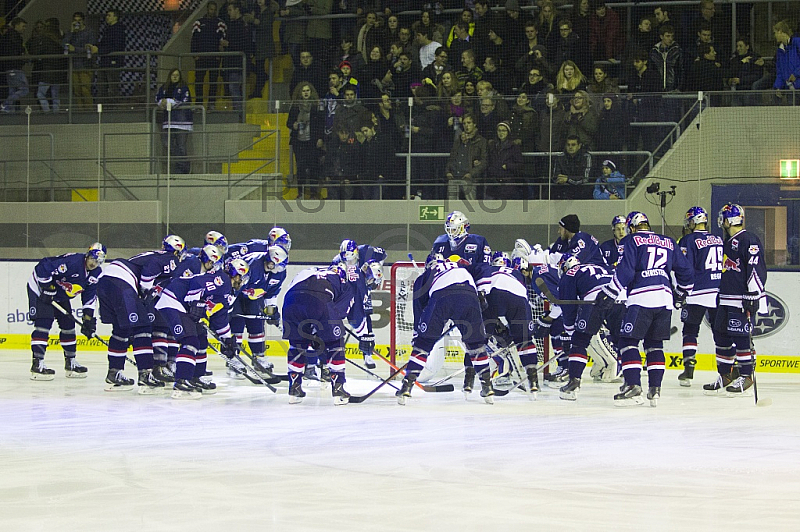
(572, 240)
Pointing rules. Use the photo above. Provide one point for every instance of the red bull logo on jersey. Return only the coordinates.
(728, 264)
(72, 290)
(710, 240)
(653, 240)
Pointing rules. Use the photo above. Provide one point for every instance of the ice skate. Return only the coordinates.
(163, 373)
(206, 387)
(533, 379)
(311, 373)
(487, 392)
(340, 396)
(718, 386)
(405, 390)
(296, 392)
(569, 392)
(236, 369)
(73, 369)
(653, 395)
(117, 381)
(148, 383)
(40, 372)
(369, 362)
(263, 366)
(558, 378)
(184, 389)
(325, 374)
(469, 381)
(629, 395)
(685, 378)
(740, 387)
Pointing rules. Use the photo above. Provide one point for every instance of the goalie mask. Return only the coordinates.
(277, 259)
(173, 244)
(731, 212)
(97, 251)
(456, 226)
(279, 237)
(374, 274)
(216, 238)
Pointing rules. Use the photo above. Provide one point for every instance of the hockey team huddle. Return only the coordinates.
(165, 304)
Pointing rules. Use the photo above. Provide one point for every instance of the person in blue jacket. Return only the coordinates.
(610, 185)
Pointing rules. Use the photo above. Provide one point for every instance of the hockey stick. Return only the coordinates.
(764, 401)
(508, 354)
(554, 300)
(367, 370)
(425, 387)
(94, 334)
(360, 399)
(258, 378)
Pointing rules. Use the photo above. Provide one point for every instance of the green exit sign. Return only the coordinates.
(431, 213)
(790, 168)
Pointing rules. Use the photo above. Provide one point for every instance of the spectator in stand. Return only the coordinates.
(409, 44)
(470, 94)
(293, 30)
(261, 22)
(469, 70)
(498, 76)
(607, 36)
(787, 57)
(570, 47)
(174, 101)
(391, 33)
(52, 73)
(524, 53)
(704, 36)
(488, 118)
(611, 125)
(536, 88)
(79, 41)
(207, 35)
(390, 125)
(666, 59)
(705, 73)
(307, 125)
(455, 112)
(581, 19)
(707, 15)
(447, 87)
(340, 164)
(372, 75)
(398, 79)
(662, 18)
(500, 52)
(369, 35)
(379, 168)
(524, 122)
(548, 25)
(643, 38)
(347, 52)
(428, 125)
(308, 70)
(467, 163)
(611, 184)
(348, 79)
(461, 42)
(467, 18)
(11, 44)
(643, 104)
(427, 47)
(438, 67)
(581, 120)
(437, 31)
(332, 100)
(602, 84)
(351, 112)
(551, 119)
(569, 79)
(319, 30)
(486, 20)
(512, 26)
(572, 171)
(745, 66)
(484, 89)
(504, 166)
(112, 40)
(237, 39)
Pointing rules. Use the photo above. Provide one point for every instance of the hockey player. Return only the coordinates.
(125, 291)
(611, 249)
(551, 324)
(257, 302)
(59, 279)
(317, 301)
(184, 302)
(572, 240)
(741, 296)
(277, 237)
(357, 258)
(704, 252)
(458, 242)
(503, 288)
(648, 259)
(582, 322)
(445, 291)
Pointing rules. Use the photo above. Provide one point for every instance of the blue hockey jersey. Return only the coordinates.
(212, 288)
(328, 286)
(238, 251)
(743, 270)
(611, 251)
(583, 245)
(473, 249)
(488, 278)
(704, 252)
(69, 275)
(583, 281)
(262, 283)
(439, 277)
(647, 261)
(144, 270)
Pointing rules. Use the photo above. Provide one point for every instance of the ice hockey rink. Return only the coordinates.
(75, 457)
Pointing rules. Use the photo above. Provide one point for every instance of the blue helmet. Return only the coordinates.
(695, 215)
(500, 258)
(348, 251)
(210, 253)
(279, 237)
(567, 262)
(278, 257)
(635, 219)
(173, 244)
(216, 238)
(374, 273)
(618, 219)
(519, 263)
(236, 267)
(97, 251)
(732, 212)
(341, 270)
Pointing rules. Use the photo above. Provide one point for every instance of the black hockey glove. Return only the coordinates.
(197, 311)
(679, 296)
(750, 303)
(603, 302)
(228, 346)
(151, 296)
(367, 343)
(272, 315)
(541, 329)
(482, 299)
(48, 293)
(89, 326)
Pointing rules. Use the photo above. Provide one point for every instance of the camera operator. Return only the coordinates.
(78, 43)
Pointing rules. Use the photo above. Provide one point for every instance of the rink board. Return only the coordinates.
(776, 344)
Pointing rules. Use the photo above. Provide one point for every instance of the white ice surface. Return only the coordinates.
(74, 457)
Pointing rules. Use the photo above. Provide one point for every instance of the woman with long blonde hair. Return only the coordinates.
(570, 79)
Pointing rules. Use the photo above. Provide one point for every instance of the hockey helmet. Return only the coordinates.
(173, 244)
(216, 238)
(732, 212)
(374, 273)
(279, 237)
(97, 251)
(348, 251)
(277, 259)
(695, 215)
(456, 225)
(501, 258)
(635, 219)
(567, 262)
(210, 253)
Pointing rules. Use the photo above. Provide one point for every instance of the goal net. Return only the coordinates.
(447, 356)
